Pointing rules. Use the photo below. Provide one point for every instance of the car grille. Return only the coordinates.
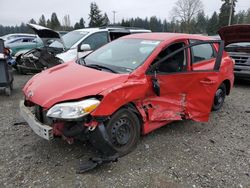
(241, 59)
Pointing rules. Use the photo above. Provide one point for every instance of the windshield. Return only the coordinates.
(69, 39)
(122, 55)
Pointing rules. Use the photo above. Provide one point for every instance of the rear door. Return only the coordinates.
(186, 92)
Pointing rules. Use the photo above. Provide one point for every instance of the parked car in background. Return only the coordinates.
(237, 41)
(20, 40)
(129, 88)
(8, 37)
(70, 46)
(23, 44)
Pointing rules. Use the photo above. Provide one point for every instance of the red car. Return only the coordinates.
(129, 88)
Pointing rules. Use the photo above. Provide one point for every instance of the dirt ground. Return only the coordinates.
(182, 154)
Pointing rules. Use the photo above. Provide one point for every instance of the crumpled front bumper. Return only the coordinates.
(40, 129)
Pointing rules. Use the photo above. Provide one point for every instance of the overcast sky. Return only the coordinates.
(13, 12)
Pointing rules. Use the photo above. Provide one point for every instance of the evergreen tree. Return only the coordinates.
(77, 26)
(82, 23)
(247, 18)
(125, 23)
(213, 24)
(105, 19)
(42, 21)
(225, 12)
(95, 16)
(32, 21)
(54, 22)
(239, 18)
(155, 24)
(201, 23)
(48, 24)
(165, 26)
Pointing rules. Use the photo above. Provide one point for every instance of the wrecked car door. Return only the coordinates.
(182, 91)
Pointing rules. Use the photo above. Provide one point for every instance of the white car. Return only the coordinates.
(72, 45)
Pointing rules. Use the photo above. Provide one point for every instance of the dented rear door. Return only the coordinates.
(185, 94)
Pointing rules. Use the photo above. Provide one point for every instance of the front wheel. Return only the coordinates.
(219, 97)
(124, 131)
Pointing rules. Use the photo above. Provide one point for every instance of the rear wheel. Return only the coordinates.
(219, 97)
(124, 131)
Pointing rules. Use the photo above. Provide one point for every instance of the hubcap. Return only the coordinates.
(121, 132)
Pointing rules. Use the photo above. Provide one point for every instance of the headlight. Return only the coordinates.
(73, 110)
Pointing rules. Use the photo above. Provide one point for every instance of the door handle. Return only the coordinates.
(207, 82)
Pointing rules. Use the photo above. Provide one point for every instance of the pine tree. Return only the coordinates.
(82, 23)
(48, 24)
(213, 24)
(42, 21)
(201, 23)
(77, 26)
(32, 21)
(247, 18)
(105, 19)
(54, 22)
(225, 12)
(155, 24)
(95, 16)
(239, 18)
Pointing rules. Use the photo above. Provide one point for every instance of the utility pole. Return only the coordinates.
(231, 12)
(114, 12)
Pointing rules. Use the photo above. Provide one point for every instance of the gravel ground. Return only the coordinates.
(182, 154)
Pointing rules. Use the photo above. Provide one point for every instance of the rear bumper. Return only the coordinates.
(40, 129)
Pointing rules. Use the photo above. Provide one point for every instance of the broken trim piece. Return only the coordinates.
(100, 140)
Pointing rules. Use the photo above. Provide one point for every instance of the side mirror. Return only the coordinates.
(156, 86)
(84, 47)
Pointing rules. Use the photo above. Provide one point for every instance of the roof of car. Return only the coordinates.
(95, 29)
(167, 36)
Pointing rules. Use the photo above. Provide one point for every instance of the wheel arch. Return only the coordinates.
(133, 108)
(228, 86)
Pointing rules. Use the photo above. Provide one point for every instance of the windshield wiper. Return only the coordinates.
(99, 67)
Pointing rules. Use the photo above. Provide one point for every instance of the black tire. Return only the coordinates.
(124, 131)
(219, 97)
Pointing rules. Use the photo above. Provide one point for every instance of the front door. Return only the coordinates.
(185, 91)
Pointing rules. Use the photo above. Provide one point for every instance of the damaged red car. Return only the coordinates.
(129, 88)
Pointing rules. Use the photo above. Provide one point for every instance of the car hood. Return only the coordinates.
(69, 81)
(46, 34)
(72, 55)
(235, 33)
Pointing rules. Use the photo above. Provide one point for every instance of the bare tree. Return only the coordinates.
(66, 22)
(185, 11)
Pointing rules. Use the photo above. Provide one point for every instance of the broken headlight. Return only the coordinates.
(73, 110)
